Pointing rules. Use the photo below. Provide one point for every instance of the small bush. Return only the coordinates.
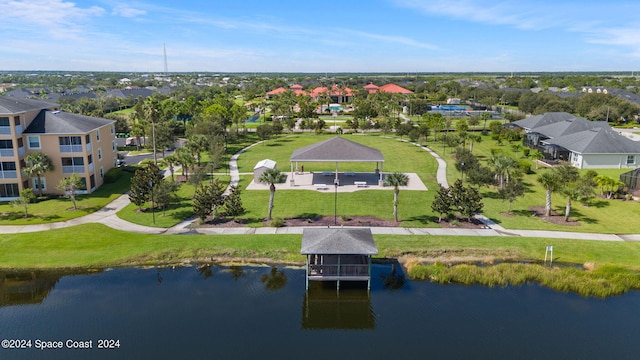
(345, 218)
(525, 166)
(112, 175)
(277, 223)
(526, 151)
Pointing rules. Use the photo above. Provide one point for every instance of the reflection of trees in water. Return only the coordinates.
(275, 280)
(236, 271)
(394, 280)
(28, 287)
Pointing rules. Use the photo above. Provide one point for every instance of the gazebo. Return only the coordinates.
(338, 254)
(337, 150)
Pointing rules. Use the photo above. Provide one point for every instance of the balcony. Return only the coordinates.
(18, 129)
(89, 147)
(10, 174)
(70, 169)
(71, 148)
(91, 167)
(338, 272)
(21, 151)
(5, 130)
(7, 153)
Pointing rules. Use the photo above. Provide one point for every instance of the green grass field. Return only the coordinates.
(61, 209)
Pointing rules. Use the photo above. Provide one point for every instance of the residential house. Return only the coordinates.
(585, 144)
(75, 143)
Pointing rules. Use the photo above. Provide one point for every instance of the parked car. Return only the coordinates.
(120, 163)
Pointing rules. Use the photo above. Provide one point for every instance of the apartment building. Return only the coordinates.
(75, 143)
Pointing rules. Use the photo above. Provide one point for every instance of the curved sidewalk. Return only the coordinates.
(108, 217)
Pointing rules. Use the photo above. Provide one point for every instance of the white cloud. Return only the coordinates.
(59, 18)
(125, 10)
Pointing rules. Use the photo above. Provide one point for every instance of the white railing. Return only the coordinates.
(70, 148)
(70, 169)
(10, 174)
(6, 153)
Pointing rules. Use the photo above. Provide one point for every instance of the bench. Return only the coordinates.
(320, 186)
(349, 173)
(360, 183)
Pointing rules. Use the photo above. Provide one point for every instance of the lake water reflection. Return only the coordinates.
(265, 312)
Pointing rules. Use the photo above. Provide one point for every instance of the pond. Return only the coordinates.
(264, 312)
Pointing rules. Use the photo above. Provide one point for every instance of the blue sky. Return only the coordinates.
(325, 36)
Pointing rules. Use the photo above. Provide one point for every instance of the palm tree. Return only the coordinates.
(551, 182)
(396, 180)
(197, 144)
(150, 112)
(537, 155)
(503, 165)
(185, 159)
(171, 161)
(272, 177)
(38, 164)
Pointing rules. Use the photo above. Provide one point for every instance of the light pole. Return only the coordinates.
(335, 202)
(153, 205)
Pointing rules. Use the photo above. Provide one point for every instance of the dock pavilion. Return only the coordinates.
(338, 254)
(337, 150)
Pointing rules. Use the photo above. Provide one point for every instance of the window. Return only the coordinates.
(101, 172)
(39, 186)
(20, 143)
(16, 120)
(9, 190)
(99, 154)
(113, 145)
(34, 142)
(8, 170)
(87, 139)
(90, 159)
(112, 129)
(98, 134)
(631, 159)
(4, 121)
(70, 143)
(72, 165)
(6, 144)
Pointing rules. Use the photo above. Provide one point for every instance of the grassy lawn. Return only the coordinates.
(414, 208)
(602, 216)
(173, 215)
(95, 245)
(61, 209)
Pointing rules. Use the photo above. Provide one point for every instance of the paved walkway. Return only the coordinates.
(108, 217)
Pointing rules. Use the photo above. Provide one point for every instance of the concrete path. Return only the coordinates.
(108, 217)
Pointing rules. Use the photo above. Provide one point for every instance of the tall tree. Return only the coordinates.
(551, 183)
(442, 202)
(396, 179)
(38, 164)
(69, 186)
(150, 111)
(272, 177)
(197, 144)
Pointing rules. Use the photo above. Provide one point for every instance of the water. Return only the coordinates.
(259, 312)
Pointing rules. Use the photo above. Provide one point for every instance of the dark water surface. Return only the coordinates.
(261, 312)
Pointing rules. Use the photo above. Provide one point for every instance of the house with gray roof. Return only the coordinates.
(583, 143)
(75, 143)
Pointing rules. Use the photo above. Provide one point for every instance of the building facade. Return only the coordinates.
(75, 144)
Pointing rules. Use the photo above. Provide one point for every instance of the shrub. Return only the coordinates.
(277, 222)
(526, 151)
(525, 166)
(112, 175)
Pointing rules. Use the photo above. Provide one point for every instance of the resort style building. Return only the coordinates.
(75, 144)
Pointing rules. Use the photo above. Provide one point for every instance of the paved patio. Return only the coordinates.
(349, 182)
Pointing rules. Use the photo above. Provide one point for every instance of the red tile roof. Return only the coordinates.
(393, 88)
(277, 91)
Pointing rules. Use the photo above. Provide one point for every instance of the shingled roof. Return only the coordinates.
(544, 119)
(12, 105)
(569, 126)
(57, 122)
(601, 140)
(337, 149)
(338, 241)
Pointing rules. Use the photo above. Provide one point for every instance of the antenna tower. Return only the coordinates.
(166, 67)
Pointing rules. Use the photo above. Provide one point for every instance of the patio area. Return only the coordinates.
(348, 182)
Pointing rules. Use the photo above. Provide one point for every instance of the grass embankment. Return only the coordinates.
(613, 265)
(61, 209)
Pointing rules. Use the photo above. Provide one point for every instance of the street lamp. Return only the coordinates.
(153, 205)
(336, 182)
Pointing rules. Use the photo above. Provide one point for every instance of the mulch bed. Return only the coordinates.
(461, 223)
(331, 221)
(555, 218)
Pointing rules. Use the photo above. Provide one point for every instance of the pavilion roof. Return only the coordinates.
(338, 241)
(337, 149)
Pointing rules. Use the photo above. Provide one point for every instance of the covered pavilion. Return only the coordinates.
(337, 150)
